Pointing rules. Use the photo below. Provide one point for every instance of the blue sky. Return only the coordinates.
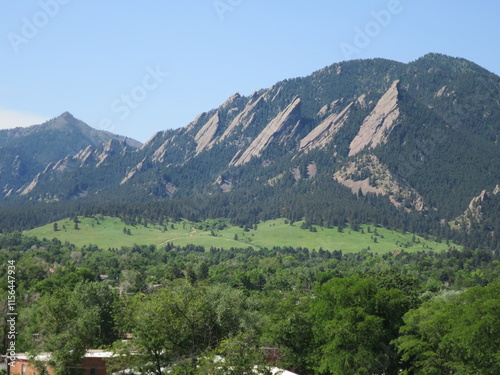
(136, 67)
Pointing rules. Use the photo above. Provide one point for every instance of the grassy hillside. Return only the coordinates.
(107, 232)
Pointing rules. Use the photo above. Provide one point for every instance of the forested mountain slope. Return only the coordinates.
(401, 139)
(26, 152)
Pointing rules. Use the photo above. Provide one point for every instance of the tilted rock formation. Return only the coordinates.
(231, 100)
(16, 165)
(160, 153)
(244, 118)
(379, 123)
(207, 133)
(110, 148)
(139, 167)
(89, 157)
(328, 108)
(287, 118)
(28, 189)
(474, 212)
(440, 92)
(195, 122)
(84, 155)
(61, 165)
(274, 91)
(155, 139)
(323, 134)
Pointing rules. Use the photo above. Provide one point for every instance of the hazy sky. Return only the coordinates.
(136, 67)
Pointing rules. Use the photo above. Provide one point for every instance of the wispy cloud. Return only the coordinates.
(11, 118)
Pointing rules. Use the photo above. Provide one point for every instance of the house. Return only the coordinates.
(93, 363)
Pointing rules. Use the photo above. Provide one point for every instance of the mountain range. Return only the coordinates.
(420, 139)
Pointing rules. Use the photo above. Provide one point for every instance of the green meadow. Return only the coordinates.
(108, 232)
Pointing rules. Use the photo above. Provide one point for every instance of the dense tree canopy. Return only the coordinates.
(457, 333)
(184, 308)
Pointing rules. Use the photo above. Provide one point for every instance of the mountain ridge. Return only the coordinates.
(27, 153)
(422, 122)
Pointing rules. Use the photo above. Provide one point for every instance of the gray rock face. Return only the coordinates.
(286, 119)
(139, 167)
(323, 134)
(160, 153)
(380, 181)
(28, 189)
(207, 133)
(474, 212)
(244, 118)
(378, 124)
